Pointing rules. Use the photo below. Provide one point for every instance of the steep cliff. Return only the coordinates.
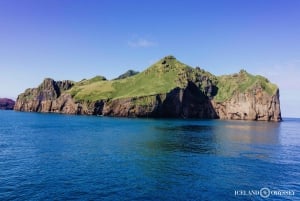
(6, 104)
(168, 88)
(47, 97)
(247, 97)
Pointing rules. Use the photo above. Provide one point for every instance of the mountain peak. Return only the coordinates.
(168, 59)
(166, 64)
(127, 74)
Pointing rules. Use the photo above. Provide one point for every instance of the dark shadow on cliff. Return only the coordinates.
(189, 102)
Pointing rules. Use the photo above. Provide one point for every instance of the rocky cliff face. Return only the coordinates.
(189, 102)
(180, 103)
(47, 97)
(6, 104)
(197, 95)
(257, 105)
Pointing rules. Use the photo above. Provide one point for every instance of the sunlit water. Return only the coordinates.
(65, 157)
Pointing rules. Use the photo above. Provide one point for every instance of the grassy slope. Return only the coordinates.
(241, 82)
(161, 77)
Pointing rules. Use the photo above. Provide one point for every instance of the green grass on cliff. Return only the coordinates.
(241, 82)
(161, 77)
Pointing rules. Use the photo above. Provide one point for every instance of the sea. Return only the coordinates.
(69, 157)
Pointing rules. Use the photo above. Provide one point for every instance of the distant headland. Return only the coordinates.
(168, 88)
(6, 104)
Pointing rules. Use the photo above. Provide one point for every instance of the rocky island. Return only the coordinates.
(6, 104)
(168, 88)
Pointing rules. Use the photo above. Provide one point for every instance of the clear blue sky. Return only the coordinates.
(76, 39)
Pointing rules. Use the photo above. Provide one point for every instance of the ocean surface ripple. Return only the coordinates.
(65, 157)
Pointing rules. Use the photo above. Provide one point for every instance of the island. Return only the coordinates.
(167, 89)
(6, 104)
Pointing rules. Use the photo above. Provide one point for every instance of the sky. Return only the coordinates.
(76, 39)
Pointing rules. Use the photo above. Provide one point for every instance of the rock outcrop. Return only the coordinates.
(194, 94)
(250, 106)
(47, 97)
(6, 104)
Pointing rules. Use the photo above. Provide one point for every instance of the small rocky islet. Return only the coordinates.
(168, 88)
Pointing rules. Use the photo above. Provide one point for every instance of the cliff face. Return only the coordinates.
(6, 104)
(185, 103)
(243, 96)
(178, 103)
(167, 89)
(47, 97)
(250, 106)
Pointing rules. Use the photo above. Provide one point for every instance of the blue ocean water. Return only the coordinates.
(65, 157)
